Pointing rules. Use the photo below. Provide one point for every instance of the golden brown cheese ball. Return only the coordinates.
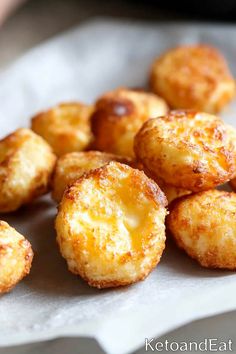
(118, 116)
(110, 226)
(187, 149)
(71, 166)
(15, 257)
(193, 76)
(204, 225)
(26, 165)
(65, 127)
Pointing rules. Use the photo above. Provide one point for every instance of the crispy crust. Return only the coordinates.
(26, 164)
(118, 116)
(110, 226)
(188, 150)
(15, 257)
(204, 226)
(193, 76)
(71, 166)
(65, 127)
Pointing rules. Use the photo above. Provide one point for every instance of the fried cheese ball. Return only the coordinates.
(110, 226)
(73, 165)
(187, 149)
(15, 257)
(193, 76)
(118, 116)
(26, 165)
(204, 225)
(65, 127)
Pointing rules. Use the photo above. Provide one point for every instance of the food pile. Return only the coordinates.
(127, 170)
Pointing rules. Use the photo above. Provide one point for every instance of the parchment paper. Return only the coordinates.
(51, 302)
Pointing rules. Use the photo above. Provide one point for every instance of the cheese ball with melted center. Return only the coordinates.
(71, 166)
(119, 115)
(65, 127)
(15, 257)
(187, 150)
(110, 226)
(204, 225)
(193, 76)
(26, 165)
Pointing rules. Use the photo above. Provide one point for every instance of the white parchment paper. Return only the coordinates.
(51, 302)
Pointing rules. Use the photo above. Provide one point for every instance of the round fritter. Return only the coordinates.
(110, 226)
(119, 115)
(65, 127)
(71, 166)
(204, 225)
(15, 257)
(187, 149)
(26, 165)
(193, 76)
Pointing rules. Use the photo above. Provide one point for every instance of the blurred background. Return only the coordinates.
(25, 23)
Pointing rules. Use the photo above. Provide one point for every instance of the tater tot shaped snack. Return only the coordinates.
(26, 165)
(193, 76)
(204, 225)
(65, 127)
(119, 115)
(187, 150)
(15, 257)
(110, 226)
(71, 166)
